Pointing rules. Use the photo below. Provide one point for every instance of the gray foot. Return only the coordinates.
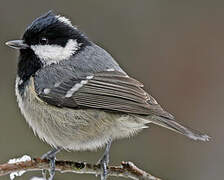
(104, 160)
(50, 155)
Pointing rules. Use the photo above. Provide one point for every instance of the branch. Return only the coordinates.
(126, 169)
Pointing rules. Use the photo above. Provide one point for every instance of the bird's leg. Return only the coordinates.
(50, 155)
(104, 160)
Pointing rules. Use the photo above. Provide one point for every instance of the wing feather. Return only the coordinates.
(108, 90)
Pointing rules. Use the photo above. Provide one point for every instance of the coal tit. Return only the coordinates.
(75, 96)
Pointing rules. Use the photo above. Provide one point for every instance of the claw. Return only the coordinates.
(104, 169)
(51, 155)
(52, 168)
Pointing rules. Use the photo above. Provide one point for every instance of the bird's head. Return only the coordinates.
(49, 39)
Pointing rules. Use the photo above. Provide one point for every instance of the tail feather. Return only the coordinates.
(177, 127)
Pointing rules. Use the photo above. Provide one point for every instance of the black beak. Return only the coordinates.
(17, 44)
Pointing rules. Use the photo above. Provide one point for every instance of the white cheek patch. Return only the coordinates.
(49, 54)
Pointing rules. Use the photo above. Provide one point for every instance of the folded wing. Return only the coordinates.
(108, 90)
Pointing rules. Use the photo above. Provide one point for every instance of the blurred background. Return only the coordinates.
(176, 48)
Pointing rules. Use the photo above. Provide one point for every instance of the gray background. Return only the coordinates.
(176, 48)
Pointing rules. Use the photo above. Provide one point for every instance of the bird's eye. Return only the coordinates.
(43, 41)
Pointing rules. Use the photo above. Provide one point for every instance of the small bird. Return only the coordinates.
(75, 96)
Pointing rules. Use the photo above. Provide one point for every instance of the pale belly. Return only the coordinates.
(75, 129)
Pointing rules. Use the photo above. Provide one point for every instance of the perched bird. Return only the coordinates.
(75, 96)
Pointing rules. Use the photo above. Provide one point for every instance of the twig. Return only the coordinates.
(126, 169)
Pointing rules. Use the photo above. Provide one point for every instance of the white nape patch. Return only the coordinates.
(75, 88)
(64, 20)
(110, 69)
(49, 54)
(89, 77)
(18, 160)
(47, 91)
